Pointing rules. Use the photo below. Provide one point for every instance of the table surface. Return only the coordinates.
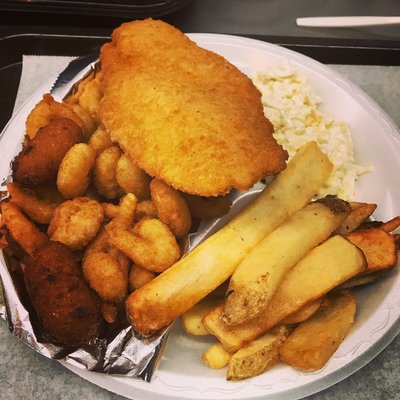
(25, 374)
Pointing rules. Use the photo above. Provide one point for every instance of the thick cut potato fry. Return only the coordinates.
(303, 313)
(158, 303)
(391, 225)
(216, 356)
(192, 319)
(325, 267)
(23, 231)
(378, 246)
(314, 341)
(362, 279)
(359, 213)
(258, 356)
(256, 278)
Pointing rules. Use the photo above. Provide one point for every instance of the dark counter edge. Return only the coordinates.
(328, 51)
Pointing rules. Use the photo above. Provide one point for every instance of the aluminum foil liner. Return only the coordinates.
(119, 350)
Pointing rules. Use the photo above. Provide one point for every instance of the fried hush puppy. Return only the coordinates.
(73, 314)
(38, 162)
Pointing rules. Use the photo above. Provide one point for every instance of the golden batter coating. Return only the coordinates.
(184, 114)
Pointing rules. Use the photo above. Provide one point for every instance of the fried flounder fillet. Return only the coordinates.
(184, 114)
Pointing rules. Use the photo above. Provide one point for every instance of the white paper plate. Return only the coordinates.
(182, 374)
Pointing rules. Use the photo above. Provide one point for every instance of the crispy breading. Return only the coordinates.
(65, 305)
(184, 114)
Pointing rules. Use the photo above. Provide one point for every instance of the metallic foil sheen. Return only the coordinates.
(120, 351)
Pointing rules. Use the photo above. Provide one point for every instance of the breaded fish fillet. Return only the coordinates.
(184, 114)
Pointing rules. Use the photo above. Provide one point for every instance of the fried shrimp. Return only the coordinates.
(146, 209)
(100, 140)
(104, 176)
(76, 222)
(171, 208)
(132, 179)
(23, 231)
(138, 277)
(48, 110)
(38, 210)
(74, 173)
(105, 276)
(104, 266)
(38, 162)
(125, 211)
(150, 245)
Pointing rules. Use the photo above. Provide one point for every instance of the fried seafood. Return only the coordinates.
(171, 208)
(105, 276)
(138, 277)
(66, 307)
(76, 222)
(88, 123)
(146, 209)
(38, 162)
(109, 312)
(22, 230)
(125, 211)
(73, 175)
(48, 110)
(87, 93)
(184, 114)
(104, 175)
(132, 179)
(38, 210)
(150, 244)
(100, 140)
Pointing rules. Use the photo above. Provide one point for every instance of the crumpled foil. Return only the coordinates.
(120, 350)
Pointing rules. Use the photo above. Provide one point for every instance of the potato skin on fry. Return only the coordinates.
(38, 162)
(315, 340)
(179, 288)
(67, 308)
(257, 277)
